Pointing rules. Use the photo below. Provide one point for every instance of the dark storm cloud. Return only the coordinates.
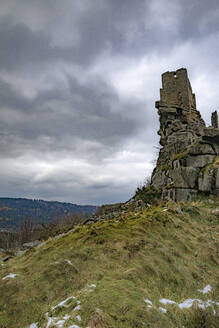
(84, 113)
(20, 46)
(77, 117)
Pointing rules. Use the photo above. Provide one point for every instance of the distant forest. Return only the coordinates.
(14, 211)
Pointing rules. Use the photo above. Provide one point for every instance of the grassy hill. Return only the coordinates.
(139, 269)
(13, 211)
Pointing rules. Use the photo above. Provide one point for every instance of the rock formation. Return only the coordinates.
(188, 161)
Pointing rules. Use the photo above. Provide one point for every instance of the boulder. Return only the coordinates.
(200, 160)
(32, 244)
(206, 179)
(201, 149)
(179, 195)
(159, 179)
(185, 194)
(217, 178)
(5, 259)
(184, 177)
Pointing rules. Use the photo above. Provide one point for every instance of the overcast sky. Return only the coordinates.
(78, 82)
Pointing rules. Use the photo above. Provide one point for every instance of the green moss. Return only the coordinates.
(181, 155)
(169, 186)
(165, 167)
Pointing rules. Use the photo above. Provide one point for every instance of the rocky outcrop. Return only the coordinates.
(188, 161)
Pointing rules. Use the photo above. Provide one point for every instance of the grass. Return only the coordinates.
(153, 253)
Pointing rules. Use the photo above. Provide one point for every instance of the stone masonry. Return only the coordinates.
(188, 161)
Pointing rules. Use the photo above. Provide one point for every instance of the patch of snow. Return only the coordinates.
(92, 286)
(201, 304)
(77, 308)
(78, 302)
(162, 310)
(53, 321)
(148, 301)
(186, 304)
(69, 262)
(50, 321)
(78, 317)
(165, 209)
(205, 290)
(34, 325)
(166, 301)
(66, 317)
(60, 323)
(10, 275)
(63, 303)
(74, 326)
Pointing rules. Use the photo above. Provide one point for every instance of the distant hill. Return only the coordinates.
(13, 211)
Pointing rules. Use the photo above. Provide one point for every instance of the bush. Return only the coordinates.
(148, 194)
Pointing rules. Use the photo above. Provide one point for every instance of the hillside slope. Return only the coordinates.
(13, 211)
(152, 268)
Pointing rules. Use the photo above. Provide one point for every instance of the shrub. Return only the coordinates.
(148, 194)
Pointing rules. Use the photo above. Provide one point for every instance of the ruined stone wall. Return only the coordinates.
(188, 161)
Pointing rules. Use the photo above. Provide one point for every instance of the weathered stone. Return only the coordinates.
(211, 135)
(159, 179)
(32, 244)
(214, 119)
(185, 194)
(179, 195)
(5, 259)
(188, 161)
(217, 178)
(200, 160)
(184, 177)
(216, 192)
(201, 149)
(206, 179)
(21, 252)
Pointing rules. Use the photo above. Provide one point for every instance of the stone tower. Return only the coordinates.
(214, 119)
(188, 161)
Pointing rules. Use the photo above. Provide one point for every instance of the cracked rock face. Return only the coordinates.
(188, 161)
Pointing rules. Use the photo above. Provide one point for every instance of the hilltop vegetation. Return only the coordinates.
(115, 273)
(13, 211)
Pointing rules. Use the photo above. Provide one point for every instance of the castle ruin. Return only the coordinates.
(188, 161)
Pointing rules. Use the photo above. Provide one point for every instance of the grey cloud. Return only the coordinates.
(89, 121)
(65, 117)
(20, 47)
